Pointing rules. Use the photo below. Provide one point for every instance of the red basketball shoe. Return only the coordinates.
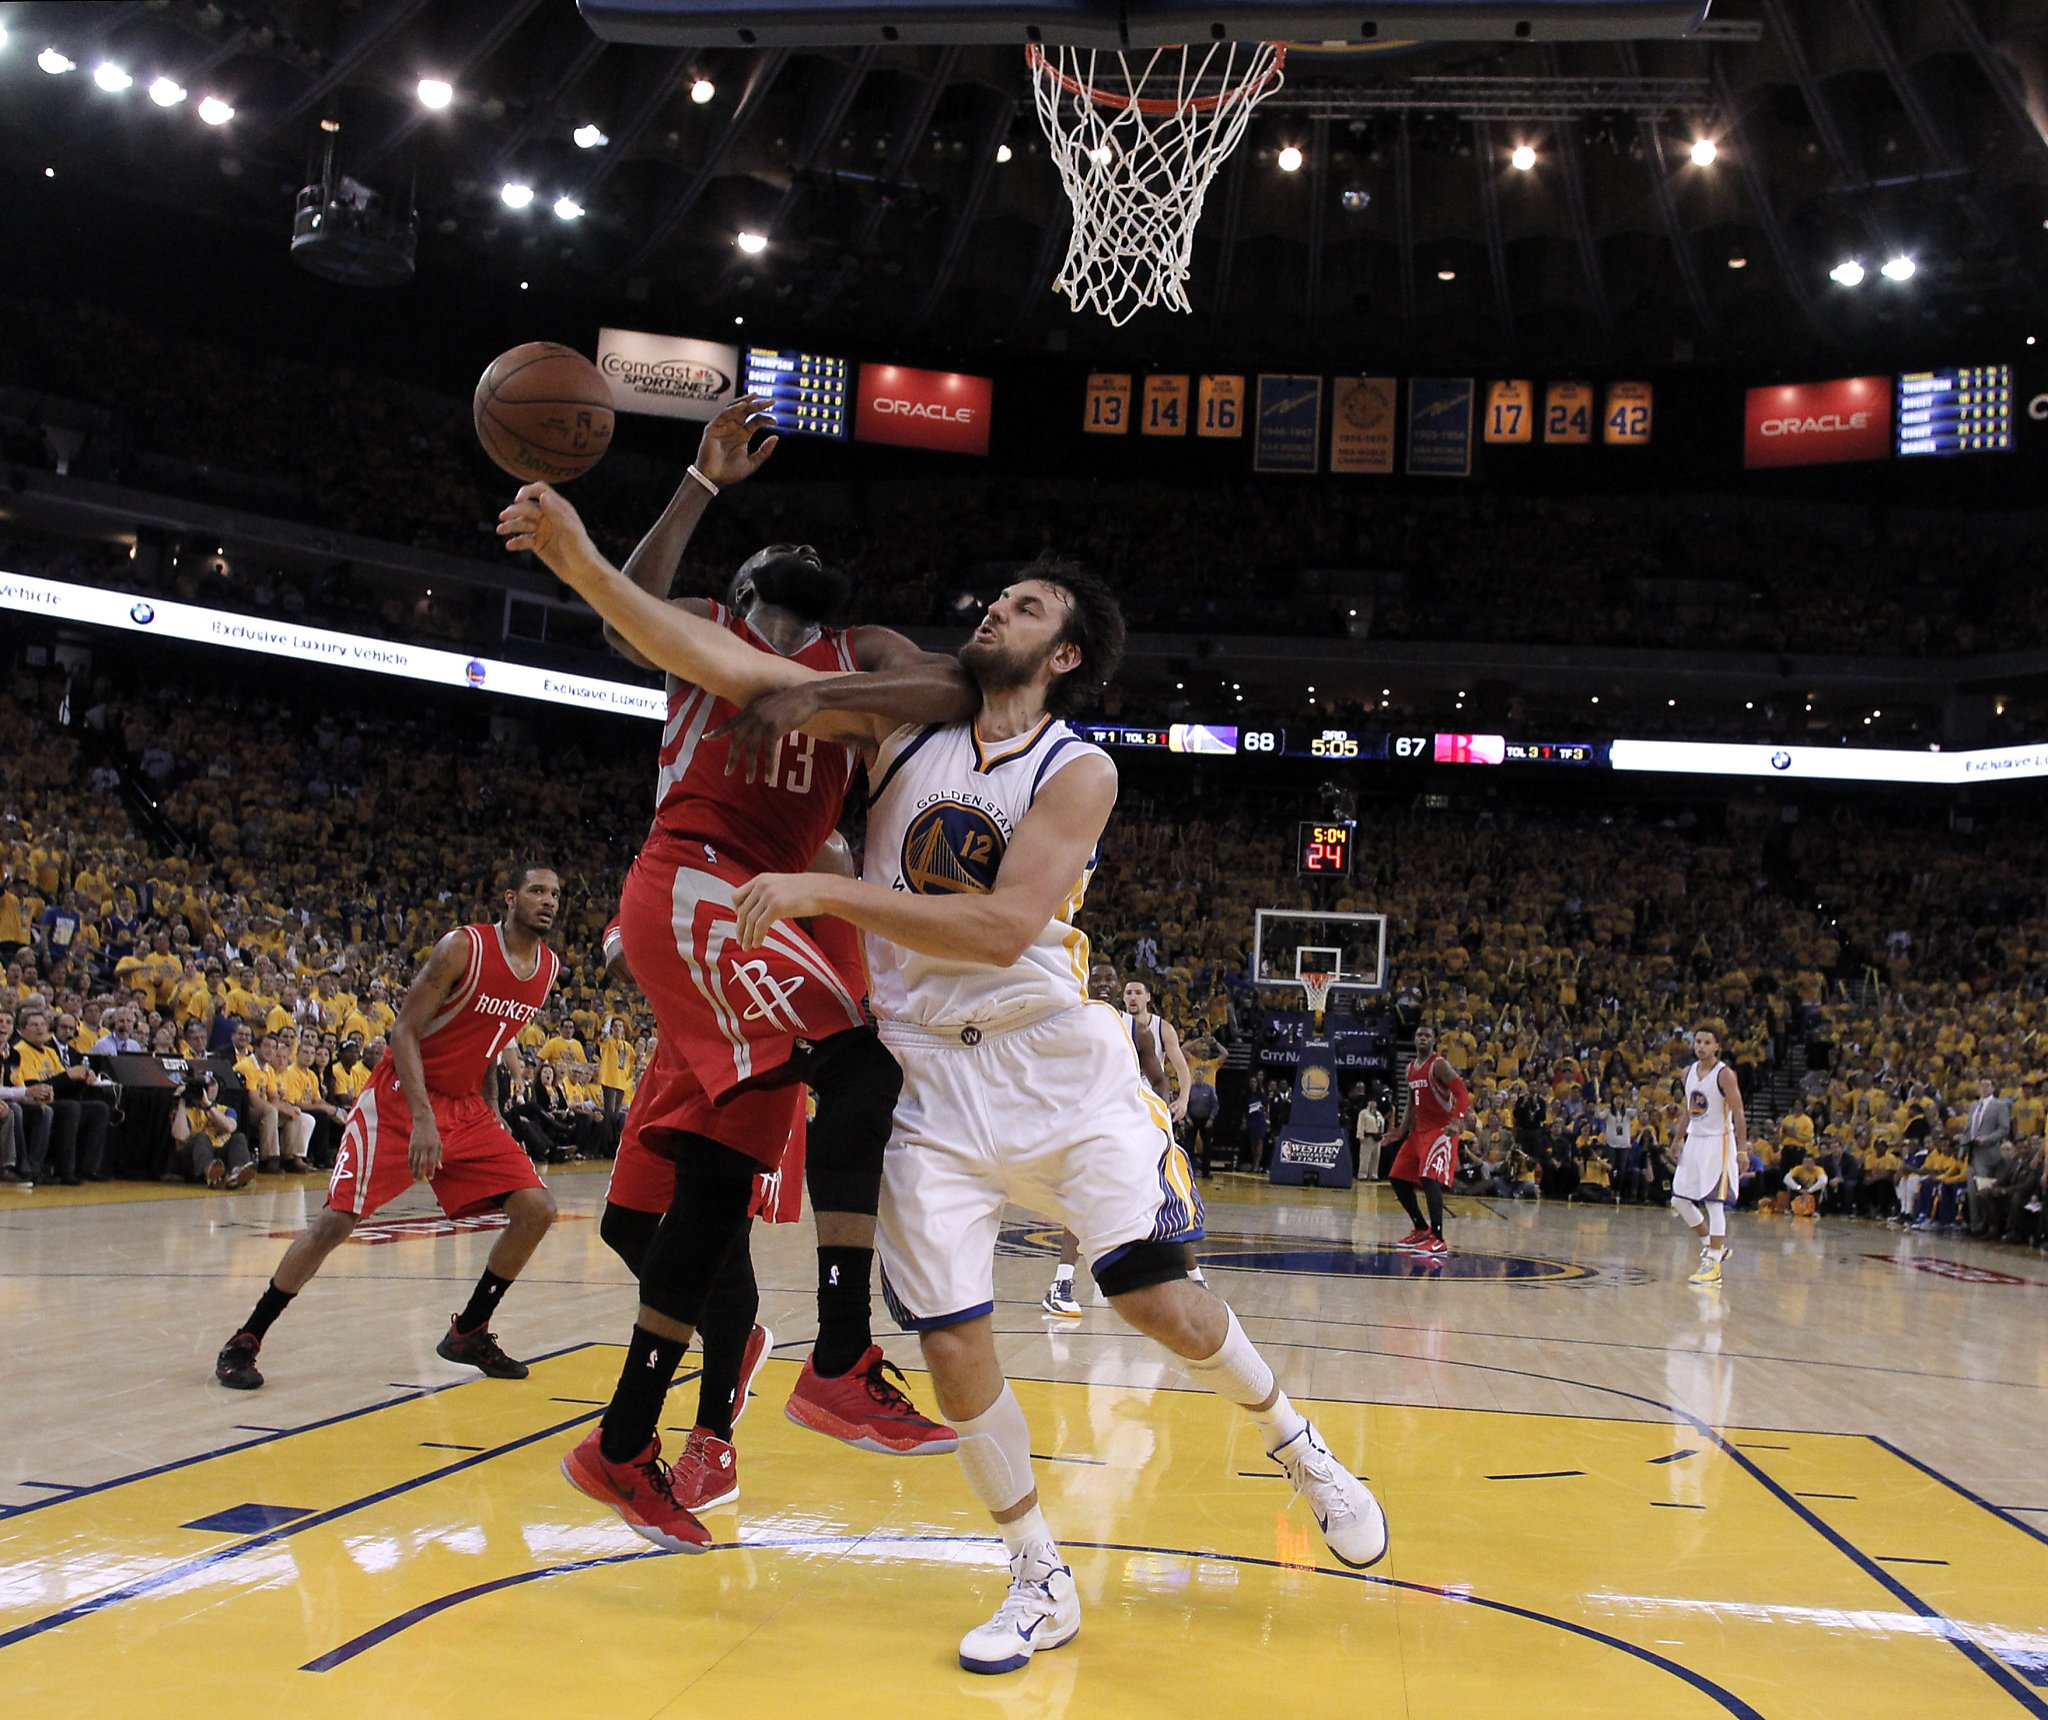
(641, 1490)
(759, 1342)
(864, 1407)
(1415, 1238)
(1431, 1247)
(707, 1474)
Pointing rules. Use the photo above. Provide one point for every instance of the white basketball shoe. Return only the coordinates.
(1352, 1522)
(1041, 1611)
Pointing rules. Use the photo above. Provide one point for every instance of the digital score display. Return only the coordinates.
(806, 393)
(1553, 752)
(1946, 412)
(1341, 744)
(1324, 850)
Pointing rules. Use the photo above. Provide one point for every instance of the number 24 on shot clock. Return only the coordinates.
(1324, 848)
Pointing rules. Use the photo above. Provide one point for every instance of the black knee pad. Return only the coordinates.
(685, 1255)
(1142, 1265)
(856, 1081)
(627, 1233)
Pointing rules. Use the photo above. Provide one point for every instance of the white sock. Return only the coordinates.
(1063, 1275)
(995, 1454)
(1238, 1372)
(1028, 1530)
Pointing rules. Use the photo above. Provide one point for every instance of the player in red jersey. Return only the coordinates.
(743, 1019)
(1437, 1103)
(428, 1116)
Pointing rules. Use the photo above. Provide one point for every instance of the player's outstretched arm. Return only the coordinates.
(666, 635)
(1046, 858)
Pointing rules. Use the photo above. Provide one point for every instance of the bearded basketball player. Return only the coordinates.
(981, 838)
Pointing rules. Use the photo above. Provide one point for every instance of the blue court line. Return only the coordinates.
(1674, 1505)
(206, 1561)
(1933, 1474)
(245, 1445)
(1051, 1457)
(1823, 1496)
(250, 1427)
(1538, 1475)
(1898, 1559)
(54, 1486)
(443, 1445)
(1674, 1457)
(369, 1639)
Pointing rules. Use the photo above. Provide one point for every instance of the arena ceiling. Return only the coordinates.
(1866, 129)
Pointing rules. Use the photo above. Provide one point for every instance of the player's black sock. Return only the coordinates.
(635, 1410)
(269, 1305)
(728, 1323)
(1434, 1194)
(845, 1328)
(483, 1302)
(1404, 1192)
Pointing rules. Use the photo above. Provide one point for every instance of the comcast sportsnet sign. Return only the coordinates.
(924, 408)
(1818, 423)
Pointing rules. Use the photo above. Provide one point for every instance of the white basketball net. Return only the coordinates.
(1318, 985)
(1137, 139)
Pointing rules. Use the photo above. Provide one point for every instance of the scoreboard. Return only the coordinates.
(1955, 411)
(1322, 849)
(806, 392)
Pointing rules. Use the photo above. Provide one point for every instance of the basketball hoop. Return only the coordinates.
(1138, 138)
(1317, 986)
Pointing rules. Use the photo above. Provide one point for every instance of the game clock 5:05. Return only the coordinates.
(1323, 850)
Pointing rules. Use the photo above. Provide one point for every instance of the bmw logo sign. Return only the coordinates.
(141, 613)
(1781, 760)
(473, 673)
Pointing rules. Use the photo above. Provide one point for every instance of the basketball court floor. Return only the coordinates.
(1819, 1492)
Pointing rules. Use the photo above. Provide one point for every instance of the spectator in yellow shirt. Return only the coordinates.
(556, 1047)
(617, 1062)
(348, 1075)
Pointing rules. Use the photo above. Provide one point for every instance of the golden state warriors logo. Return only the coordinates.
(1315, 1083)
(950, 847)
(1696, 1102)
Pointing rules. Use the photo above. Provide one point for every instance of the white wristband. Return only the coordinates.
(706, 482)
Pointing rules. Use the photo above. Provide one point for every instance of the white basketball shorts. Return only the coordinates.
(1054, 1116)
(1707, 1169)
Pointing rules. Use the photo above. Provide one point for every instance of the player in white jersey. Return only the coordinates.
(981, 836)
(1709, 1153)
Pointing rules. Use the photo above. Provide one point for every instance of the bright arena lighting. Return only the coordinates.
(752, 243)
(167, 92)
(568, 209)
(1099, 155)
(214, 111)
(1290, 159)
(1849, 274)
(1447, 274)
(111, 78)
(1003, 152)
(56, 63)
(1738, 262)
(702, 91)
(1703, 152)
(1898, 269)
(1524, 158)
(589, 137)
(515, 195)
(435, 93)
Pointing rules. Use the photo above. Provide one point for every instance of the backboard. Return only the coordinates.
(1288, 942)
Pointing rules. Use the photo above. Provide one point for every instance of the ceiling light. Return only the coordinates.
(523, 285)
(1524, 158)
(589, 137)
(739, 322)
(167, 92)
(214, 111)
(2030, 340)
(1290, 159)
(57, 64)
(1738, 262)
(110, 77)
(516, 196)
(435, 93)
(1898, 269)
(568, 209)
(1355, 198)
(702, 91)
(752, 243)
(1447, 274)
(1849, 273)
(1003, 152)
(1703, 152)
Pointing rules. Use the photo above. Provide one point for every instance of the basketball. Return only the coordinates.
(543, 411)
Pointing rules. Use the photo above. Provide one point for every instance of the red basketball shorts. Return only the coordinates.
(480, 1161)
(670, 1103)
(736, 1016)
(1431, 1158)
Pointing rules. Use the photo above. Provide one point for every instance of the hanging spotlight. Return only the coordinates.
(214, 111)
(1898, 269)
(1524, 158)
(435, 93)
(568, 209)
(167, 92)
(702, 91)
(1290, 160)
(1703, 152)
(1848, 274)
(110, 77)
(1003, 153)
(752, 243)
(515, 195)
(1738, 261)
(589, 137)
(57, 64)
(1447, 273)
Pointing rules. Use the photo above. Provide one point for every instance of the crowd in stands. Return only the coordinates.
(301, 858)
(100, 394)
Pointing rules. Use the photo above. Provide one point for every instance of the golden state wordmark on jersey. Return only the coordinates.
(953, 843)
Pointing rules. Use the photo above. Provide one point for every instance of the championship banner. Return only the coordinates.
(1440, 426)
(129, 612)
(1568, 414)
(1166, 407)
(666, 375)
(1818, 423)
(1290, 428)
(1626, 423)
(1219, 406)
(1362, 412)
(1108, 412)
(940, 409)
(1510, 412)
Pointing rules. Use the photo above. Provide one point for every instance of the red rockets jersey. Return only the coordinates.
(1427, 1114)
(481, 1016)
(777, 822)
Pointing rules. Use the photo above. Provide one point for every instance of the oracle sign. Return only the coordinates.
(924, 408)
(1818, 423)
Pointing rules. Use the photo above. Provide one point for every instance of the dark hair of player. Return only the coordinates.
(791, 576)
(1094, 622)
(515, 880)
